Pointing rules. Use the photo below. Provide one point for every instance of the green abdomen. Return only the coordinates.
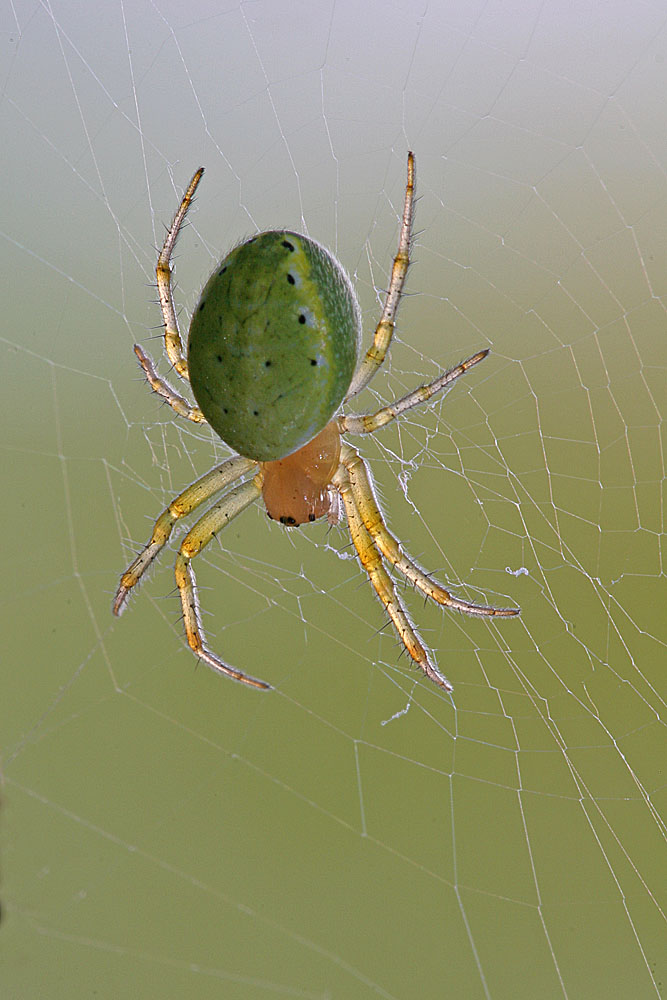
(273, 344)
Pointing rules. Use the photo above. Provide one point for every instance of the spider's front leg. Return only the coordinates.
(206, 528)
(371, 560)
(187, 501)
(364, 498)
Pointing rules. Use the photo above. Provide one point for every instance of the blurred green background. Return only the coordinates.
(167, 833)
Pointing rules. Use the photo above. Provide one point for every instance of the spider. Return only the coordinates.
(272, 354)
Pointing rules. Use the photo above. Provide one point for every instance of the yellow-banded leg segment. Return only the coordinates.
(367, 423)
(371, 560)
(206, 528)
(172, 337)
(364, 498)
(187, 501)
(384, 331)
(177, 402)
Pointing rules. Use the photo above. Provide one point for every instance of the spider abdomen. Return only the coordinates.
(295, 489)
(273, 344)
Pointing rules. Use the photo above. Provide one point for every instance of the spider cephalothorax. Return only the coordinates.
(272, 356)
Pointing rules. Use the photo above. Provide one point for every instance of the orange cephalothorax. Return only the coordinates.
(295, 489)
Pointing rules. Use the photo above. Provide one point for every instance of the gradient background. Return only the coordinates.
(166, 833)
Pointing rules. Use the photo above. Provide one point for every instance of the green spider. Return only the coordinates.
(272, 355)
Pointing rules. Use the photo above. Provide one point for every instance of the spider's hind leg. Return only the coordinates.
(384, 331)
(173, 344)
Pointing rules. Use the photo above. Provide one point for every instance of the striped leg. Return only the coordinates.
(172, 337)
(370, 559)
(206, 528)
(384, 331)
(367, 423)
(187, 501)
(366, 504)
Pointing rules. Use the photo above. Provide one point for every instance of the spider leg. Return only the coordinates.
(162, 388)
(187, 501)
(198, 537)
(368, 423)
(364, 498)
(371, 560)
(384, 331)
(172, 337)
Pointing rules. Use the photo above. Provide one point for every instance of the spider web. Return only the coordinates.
(355, 832)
